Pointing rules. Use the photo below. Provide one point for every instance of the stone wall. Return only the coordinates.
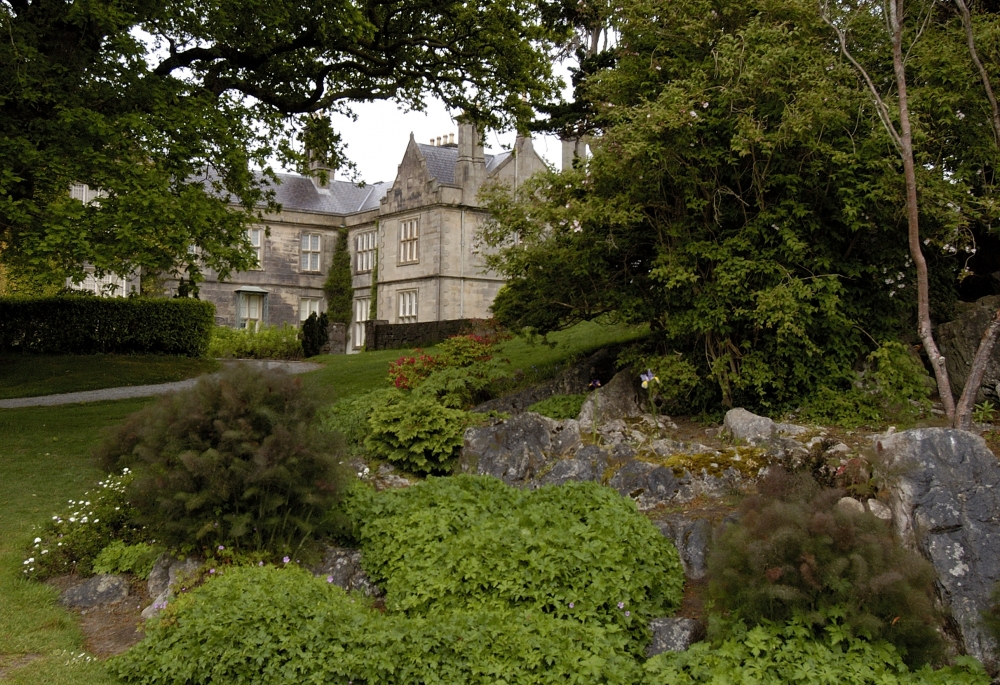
(336, 339)
(382, 335)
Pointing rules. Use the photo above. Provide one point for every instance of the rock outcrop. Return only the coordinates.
(945, 502)
(959, 339)
(518, 449)
(672, 635)
(342, 567)
(96, 591)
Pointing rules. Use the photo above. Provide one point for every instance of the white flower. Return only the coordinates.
(959, 115)
(38, 539)
(45, 551)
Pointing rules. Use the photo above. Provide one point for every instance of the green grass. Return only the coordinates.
(32, 375)
(44, 461)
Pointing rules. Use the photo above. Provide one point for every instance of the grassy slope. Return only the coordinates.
(31, 375)
(44, 462)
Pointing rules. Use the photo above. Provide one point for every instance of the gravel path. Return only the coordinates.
(146, 390)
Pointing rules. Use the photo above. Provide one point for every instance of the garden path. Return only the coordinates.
(129, 392)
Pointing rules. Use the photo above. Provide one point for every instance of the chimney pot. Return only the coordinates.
(451, 138)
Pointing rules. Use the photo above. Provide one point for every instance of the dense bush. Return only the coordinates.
(349, 416)
(338, 286)
(266, 342)
(314, 334)
(90, 325)
(579, 552)
(233, 461)
(560, 406)
(118, 557)
(69, 542)
(799, 652)
(273, 626)
(794, 552)
(417, 433)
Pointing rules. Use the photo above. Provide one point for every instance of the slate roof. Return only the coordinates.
(298, 193)
(441, 160)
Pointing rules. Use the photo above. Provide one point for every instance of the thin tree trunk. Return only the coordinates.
(913, 217)
(966, 403)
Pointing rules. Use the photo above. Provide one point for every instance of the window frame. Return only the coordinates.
(307, 252)
(364, 251)
(409, 241)
(362, 308)
(259, 248)
(318, 301)
(407, 309)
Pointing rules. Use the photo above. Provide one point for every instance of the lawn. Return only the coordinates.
(32, 375)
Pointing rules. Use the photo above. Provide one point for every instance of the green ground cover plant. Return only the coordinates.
(417, 433)
(560, 407)
(30, 375)
(267, 342)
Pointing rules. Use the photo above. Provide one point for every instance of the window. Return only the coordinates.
(307, 306)
(408, 239)
(407, 306)
(364, 249)
(362, 306)
(251, 310)
(257, 243)
(310, 252)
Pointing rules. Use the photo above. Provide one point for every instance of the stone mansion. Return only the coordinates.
(422, 227)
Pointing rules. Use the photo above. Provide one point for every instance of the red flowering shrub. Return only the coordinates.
(458, 352)
(408, 372)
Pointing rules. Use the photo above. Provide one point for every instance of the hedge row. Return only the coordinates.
(91, 325)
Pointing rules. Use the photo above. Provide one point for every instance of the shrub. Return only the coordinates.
(417, 433)
(577, 552)
(678, 378)
(314, 334)
(268, 626)
(92, 325)
(560, 407)
(409, 371)
(338, 286)
(800, 652)
(795, 552)
(463, 387)
(118, 557)
(233, 461)
(69, 542)
(349, 417)
(267, 342)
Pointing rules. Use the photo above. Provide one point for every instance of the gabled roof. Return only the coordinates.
(299, 193)
(440, 160)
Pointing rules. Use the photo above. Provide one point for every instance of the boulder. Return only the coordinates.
(517, 449)
(850, 505)
(647, 484)
(672, 635)
(588, 464)
(959, 339)
(945, 503)
(691, 537)
(741, 424)
(342, 567)
(879, 510)
(96, 591)
(619, 399)
(167, 571)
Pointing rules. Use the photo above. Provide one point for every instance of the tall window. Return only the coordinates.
(362, 306)
(364, 249)
(251, 310)
(407, 306)
(310, 252)
(307, 306)
(409, 237)
(257, 243)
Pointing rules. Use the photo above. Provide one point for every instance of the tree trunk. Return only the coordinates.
(913, 217)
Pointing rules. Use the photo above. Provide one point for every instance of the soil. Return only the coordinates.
(109, 630)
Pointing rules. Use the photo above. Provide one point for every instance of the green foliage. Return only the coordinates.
(417, 433)
(560, 406)
(803, 652)
(314, 334)
(117, 557)
(984, 412)
(266, 342)
(268, 626)
(678, 378)
(349, 417)
(794, 552)
(88, 325)
(461, 543)
(69, 542)
(233, 461)
(895, 387)
(338, 284)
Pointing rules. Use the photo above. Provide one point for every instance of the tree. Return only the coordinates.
(166, 107)
(338, 288)
(743, 199)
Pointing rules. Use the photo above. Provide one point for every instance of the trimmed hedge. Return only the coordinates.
(94, 325)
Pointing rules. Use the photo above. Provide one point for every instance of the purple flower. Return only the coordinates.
(329, 579)
(571, 605)
(628, 613)
(260, 563)
(211, 571)
(621, 605)
(286, 559)
(221, 548)
(646, 377)
(596, 383)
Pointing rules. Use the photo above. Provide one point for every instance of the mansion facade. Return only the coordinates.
(415, 236)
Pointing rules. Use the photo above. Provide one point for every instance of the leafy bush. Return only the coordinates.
(471, 352)
(578, 552)
(118, 557)
(799, 652)
(233, 461)
(314, 334)
(464, 387)
(409, 371)
(338, 286)
(349, 417)
(678, 378)
(560, 407)
(417, 433)
(795, 552)
(266, 342)
(69, 542)
(266, 625)
(91, 325)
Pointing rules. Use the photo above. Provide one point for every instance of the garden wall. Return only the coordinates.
(382, 335)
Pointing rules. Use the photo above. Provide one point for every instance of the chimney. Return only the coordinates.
(451, 138)
(470, 168)
(574, 152)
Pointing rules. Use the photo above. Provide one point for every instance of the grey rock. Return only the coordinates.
(167, 571)
(666, 447)
(959, 339)
(840, 448)
(619, 399)
(158, 605)
(96, 591)
(851, 505)
(342, 567)
(879, 510)
(741, 424)
(159, 577)
(647, 484)
(691, 537)
(672, 635)
(693, 485)
(517, 449)
(946, 503)
(588, 464)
